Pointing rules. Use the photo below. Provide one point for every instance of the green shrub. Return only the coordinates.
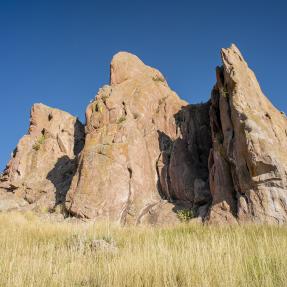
(185, 215)
(98, 108)
(224, 93)
(104, 97)
(36, 146)
(121, 119)
(158, 79)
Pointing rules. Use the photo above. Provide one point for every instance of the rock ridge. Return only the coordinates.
(144, 156)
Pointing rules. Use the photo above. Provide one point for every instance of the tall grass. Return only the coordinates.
(37, 253)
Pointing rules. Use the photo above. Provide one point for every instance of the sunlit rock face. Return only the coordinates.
(123, 172)
(145, 156)
(42, 165)
(248, 161)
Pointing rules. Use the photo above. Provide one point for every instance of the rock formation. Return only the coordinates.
(145, 154)
(248, 161)
(44, 161)
(129, 128)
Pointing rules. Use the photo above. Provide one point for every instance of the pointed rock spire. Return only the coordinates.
(250, 139)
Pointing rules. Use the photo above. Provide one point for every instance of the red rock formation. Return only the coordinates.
(43, 163)
(248, 162)
(117, 176)
(147, 154)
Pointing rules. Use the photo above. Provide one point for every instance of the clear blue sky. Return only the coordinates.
(58, 52)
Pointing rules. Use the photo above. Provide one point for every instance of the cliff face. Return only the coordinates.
(183, 163)
(128, 126)
(145, 153)
(248, 162)
(43, 164)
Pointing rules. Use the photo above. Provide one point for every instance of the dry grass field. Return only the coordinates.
(34, 252)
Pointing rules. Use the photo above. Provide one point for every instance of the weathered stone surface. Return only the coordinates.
(117, 176)
(43, 163)
(165, 213)
(248, 162)
(183, 165)
(148, 155)
(8, 201)
(126, 66)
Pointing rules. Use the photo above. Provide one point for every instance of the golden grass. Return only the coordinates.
(37, 253)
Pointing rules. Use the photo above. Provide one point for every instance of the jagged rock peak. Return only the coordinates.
(127, 129)
(248, 162)
(43, 163)
(231, 52)
(125, 66)
(145, 153)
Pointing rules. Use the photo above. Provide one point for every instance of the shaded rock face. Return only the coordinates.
(145, 154)
(183, 164)
(248, 161)
(44, 161)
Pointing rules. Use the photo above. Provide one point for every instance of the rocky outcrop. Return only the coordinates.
(43, 164)
(126, 128)
(145, 156)
(248, 161)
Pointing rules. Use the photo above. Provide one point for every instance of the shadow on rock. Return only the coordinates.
(182, 166)
(62, 174)
(79, 137)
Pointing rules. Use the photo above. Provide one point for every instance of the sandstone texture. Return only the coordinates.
(248, 162)
(145, 156)
(129, 126)
(43, 164)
